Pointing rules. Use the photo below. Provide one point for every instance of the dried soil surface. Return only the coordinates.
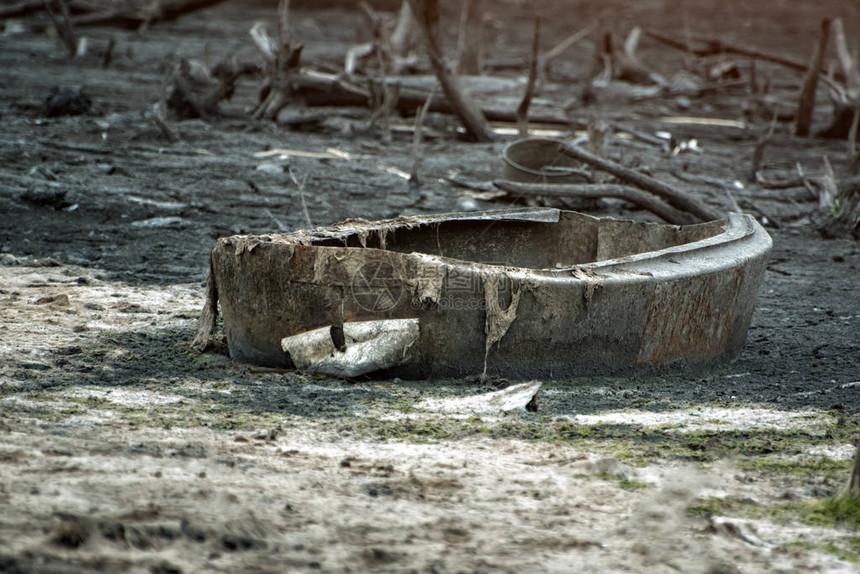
(122, 449)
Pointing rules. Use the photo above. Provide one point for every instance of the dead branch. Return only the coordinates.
(403, 35)
(715, 46)
(806, 105)
(470, 46)
(591, 191)
(144, 14)
(523, 109)
(283, 65)
(324, 89)
(301, 189)
(668, 193)
(427, 14)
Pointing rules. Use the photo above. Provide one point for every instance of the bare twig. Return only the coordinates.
(591, 191)
(108, 55)
(427, 14)
(716, 46)
(547, 58)
(523, 109)
(278, 223)
(758, 152)
(284, 35)
(301, 188)
(806, 105)
(672, 196)
(417, 139)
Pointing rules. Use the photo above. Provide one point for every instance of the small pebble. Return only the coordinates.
(468, 204)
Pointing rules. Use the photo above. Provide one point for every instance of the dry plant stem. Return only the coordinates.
(806, 105)
(301, 187)
(547, 58)
(470, 46)
(523, 109)
(64, 28)
(417, 140)
(427, 14)
(108, 55)
(853, 486)
(758, 152)
(589, 191)
(284, 27)
(666, 192)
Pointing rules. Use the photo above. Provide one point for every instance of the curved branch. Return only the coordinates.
(589, 191)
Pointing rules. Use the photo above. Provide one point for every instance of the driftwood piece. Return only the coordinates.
(523, 108)
(427, 14)
(666, 192)
(806, 105)
(592, 191)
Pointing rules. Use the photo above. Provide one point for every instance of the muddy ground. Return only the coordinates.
(122, 449)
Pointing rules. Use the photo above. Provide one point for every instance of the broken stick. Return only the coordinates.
(807, 95)
(523, 109)
(671, 195)
(589, 191)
